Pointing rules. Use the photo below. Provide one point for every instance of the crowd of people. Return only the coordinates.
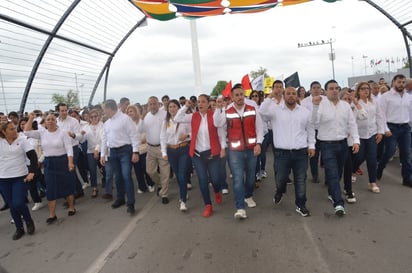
(59, 153)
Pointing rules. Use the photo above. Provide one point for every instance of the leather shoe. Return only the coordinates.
(165, 200)
(107, 196)
(19, 233)
(51, 220)
(71, 212)
(407, 183)
(118, 203)
(379, 173)
(30, 228)
(6, 206)
(130, 209)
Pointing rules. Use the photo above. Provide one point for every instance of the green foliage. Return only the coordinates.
(71, 98)
(217, 90)
(260, 71)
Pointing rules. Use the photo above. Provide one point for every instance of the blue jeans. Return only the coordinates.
(14, 192)
(204, 168)
(222, 171)
(121, 163)
(78, 185)
(141, 174)
(348, 170)
(92, 163)
(314, 161)
(242, 164)
(261, 161)
(178, 161)
(296, 161)
(401, 135)
(334, 157)
(368, 150)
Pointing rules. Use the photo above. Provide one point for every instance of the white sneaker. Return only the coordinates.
(353, 179)
(189, 186)
(250, 202)
(85, 186)
(139, 191)
(263, 174)
(240, 214)
(37, 206)
(12, 221)
(182, 206)
(151, 188)
(225, 191)
(230, 175)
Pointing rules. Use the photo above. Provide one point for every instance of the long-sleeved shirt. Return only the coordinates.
(92, 136)
(292, 129)
(335, 122)
(152, 125)
(118, 131)
(372, 124)
(70, 124)
(395, 108)
(170, 134)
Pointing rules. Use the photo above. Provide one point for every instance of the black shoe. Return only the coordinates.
(42, 193)
(131, 210)
(303, 211)
(165, 200)
(407, 183)
(277, 198)
(118, 203)
(30, 228)
(19, 233)
(315, 179)
(379, 173)
(3, 208)
(71, 212)
(51, 220)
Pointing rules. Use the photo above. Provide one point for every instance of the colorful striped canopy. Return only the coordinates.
(164, 10)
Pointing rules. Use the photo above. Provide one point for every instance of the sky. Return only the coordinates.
(157, 59)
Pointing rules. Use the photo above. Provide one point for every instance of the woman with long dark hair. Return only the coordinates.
(174, 144)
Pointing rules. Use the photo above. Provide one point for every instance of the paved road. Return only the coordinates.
(375, 235)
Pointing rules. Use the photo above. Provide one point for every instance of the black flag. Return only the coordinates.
(292, 80)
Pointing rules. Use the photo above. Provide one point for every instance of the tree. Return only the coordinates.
(71, 99)
(217, 90)
(260, 71)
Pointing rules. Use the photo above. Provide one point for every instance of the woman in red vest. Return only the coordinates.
(205, 149)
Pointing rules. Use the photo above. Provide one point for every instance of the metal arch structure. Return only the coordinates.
(407, 37)
(382, 6)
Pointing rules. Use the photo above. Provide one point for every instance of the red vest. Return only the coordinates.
(241, 132)
(213, 136)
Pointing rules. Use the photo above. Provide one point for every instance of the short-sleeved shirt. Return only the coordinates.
(13, 157)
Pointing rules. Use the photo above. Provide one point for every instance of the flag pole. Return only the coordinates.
(195, 57)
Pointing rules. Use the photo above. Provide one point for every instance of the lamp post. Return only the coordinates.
(332, 55)
(77, 88)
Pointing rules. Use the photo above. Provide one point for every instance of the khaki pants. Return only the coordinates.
(154, 160)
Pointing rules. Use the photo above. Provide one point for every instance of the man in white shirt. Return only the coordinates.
(245, 136)
(294, 141)
(152, 125)
(72, 127)
(315, 90)
(396, 107)
(334, 120)
(121, 144)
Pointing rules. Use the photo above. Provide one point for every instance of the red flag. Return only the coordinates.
(227, 92)
(246, 84)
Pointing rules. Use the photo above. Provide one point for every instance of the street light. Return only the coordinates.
(332, 55)
(77, 88)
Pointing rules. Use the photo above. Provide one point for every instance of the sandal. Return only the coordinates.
(94, 192)
(374, 189)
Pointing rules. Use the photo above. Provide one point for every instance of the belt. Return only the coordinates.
(153, 145)
(176, 146)
(121, 147)
(291, 150)
(397, 124)
(333, 141)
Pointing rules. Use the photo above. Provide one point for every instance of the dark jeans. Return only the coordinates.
(334, 155)
(92, 163)
(296, 161)
(367, 150)
(314, 161)
(178, 161)
(261, 159)
(14, 191)
(206, 167)
(143, 179)
(401, 135)
(348, 170)
(121, 164)
(78, 185)
(222, 171)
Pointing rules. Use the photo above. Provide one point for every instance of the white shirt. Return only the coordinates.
(118, 131)
(394, 108)
(334, 122)
(170, 134)
(292, 129)
(70, 124)
(13, 157)
(202, 138)
(152, 125)
(55, 143)
(373, 123)
(142, 137)
(92, 135)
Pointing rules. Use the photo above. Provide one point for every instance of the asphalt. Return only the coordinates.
(374, 236)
